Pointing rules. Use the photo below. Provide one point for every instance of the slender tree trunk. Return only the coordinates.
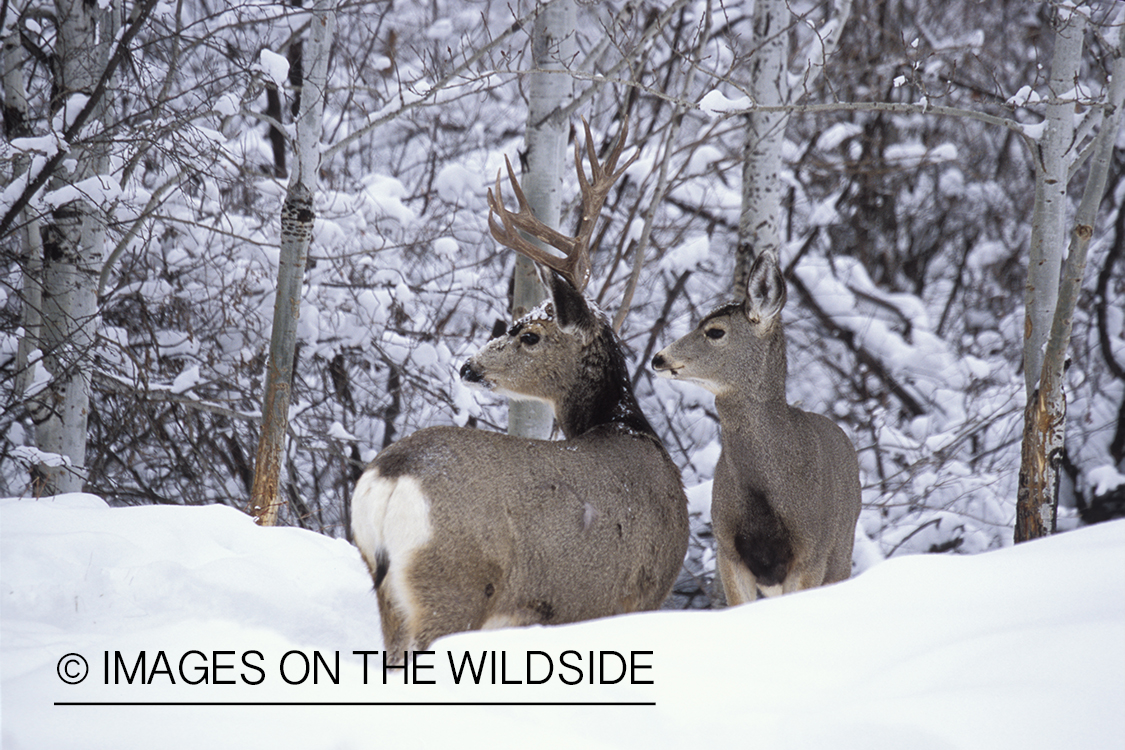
(1045, 416)
(549, 90)
(759, 223)
(72, 257)
(297, 217)
(759, 228)
(1048, 227)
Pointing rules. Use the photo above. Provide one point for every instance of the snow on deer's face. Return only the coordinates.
(539, 357)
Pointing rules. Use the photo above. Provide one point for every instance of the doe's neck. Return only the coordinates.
(758, 375)
(760, 393)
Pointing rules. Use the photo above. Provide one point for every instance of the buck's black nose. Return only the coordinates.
(657, 362)
(469, 375)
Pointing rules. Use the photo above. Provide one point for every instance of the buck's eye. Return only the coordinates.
(714, 333)
(531, 339)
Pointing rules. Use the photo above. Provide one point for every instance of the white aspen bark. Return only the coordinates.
(1048, 226)
(550, 89)
(759, 225)
(1045, 416)
(759, 228)
(72, 255)
(297, 218)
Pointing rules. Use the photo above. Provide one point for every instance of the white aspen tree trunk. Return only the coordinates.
(1048, 227)
(759, 227)
(1045, 415)
(72, 257)
(550, 89)
(297, 217)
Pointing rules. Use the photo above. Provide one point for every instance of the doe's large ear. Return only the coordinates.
(765, 293)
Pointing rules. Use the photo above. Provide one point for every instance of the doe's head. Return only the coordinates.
(739, 346)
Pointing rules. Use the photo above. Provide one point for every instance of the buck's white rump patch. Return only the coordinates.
(391, 516)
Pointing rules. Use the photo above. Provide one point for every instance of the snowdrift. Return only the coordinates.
(188, 627)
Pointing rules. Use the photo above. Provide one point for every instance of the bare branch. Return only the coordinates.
(115, 60)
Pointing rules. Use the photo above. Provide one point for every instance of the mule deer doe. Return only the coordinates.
(464, 529)
(786, 495)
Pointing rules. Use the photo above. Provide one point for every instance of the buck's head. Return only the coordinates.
(739, 346)
(564, 352)
(542, 355)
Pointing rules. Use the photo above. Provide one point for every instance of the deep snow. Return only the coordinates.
(1019, 648)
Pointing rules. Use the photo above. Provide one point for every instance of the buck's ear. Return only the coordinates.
(765, 293)
(571, 309)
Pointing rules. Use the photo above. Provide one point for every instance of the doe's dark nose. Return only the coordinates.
(469, 375)
(657, 362)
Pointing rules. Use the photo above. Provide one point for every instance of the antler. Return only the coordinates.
(575, 265)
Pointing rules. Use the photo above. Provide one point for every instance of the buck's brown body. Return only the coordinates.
(524, 532)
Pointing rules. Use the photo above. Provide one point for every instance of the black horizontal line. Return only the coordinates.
(355, 703)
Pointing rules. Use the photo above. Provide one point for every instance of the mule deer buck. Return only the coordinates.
(464, 529)
(786, 495)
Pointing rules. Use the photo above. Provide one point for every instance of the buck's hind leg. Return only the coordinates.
(457, 588)
(396, 638)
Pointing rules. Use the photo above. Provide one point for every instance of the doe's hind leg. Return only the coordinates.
(739, 584)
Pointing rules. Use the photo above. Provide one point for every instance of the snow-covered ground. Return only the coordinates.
(1018, 648)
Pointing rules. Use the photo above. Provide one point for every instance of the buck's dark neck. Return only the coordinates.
(604, 395)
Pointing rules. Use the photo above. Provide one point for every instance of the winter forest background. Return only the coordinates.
(910, 141)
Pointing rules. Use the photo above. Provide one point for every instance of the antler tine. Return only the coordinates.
(574, 267)
(602, 177)
(599, 170)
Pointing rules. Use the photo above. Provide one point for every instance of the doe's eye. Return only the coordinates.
(531, 339)
(714, 333)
